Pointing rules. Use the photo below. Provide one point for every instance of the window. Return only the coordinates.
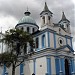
(60, 41)
(43, 19)
(33, 30)
(37, 42)
(28, 29)
(59, 31)
(67, 26)
(22, 28)
(43, 41)
(49, 18)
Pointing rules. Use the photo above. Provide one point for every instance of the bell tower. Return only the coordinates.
(46, 17)
(65, 23)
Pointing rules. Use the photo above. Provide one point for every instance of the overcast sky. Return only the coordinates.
(11, 11)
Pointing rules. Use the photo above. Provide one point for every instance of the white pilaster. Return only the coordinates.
(31, 31)
(53, 71)
(42, 22)
(46, 19)
(51, 21)
(25, 28)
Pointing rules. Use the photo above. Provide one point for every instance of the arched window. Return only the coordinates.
(28, 29)
(43, 41)
(37, 43)
(49, 18)
(43, 19)
(33, 30)
(22, 28)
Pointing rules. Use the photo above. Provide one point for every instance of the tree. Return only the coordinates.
(16, 41)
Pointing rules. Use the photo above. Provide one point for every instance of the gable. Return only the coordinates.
(66, 48)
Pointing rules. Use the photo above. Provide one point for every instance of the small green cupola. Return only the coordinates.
(27, 13)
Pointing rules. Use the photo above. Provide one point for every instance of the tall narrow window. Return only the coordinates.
(37, 42)
(33, 30)
(43, 19)
(28, 29)
(49, 18)
(22, 28)
(43, 41)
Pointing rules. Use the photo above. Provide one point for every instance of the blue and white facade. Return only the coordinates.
(54, 54)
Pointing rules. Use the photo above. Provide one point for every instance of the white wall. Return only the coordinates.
(28, 67)
(41, 66)
(51, 40)
(53, 69)
(57, 41)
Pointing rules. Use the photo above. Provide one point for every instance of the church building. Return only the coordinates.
(53, 52)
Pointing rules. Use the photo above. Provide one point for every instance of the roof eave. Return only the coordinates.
(27, 23)
(46, 12)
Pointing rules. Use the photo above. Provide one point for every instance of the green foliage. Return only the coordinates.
(7, 58)
(16, 40)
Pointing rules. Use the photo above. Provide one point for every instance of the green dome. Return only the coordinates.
(27, 20)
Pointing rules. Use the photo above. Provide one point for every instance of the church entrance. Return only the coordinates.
(67, 67)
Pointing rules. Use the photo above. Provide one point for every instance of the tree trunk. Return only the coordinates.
(13, 69)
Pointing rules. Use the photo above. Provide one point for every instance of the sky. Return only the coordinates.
(11, 11)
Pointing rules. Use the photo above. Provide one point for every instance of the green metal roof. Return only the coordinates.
(27, 19)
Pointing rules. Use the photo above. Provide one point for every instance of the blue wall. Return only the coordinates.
(34, 66)
(62, 60)
(43, 41)
(54, 40)
(49, 66)
(4, 70)
(21, 68)
(71, 42)
(57, 66)
(72, 65)
(48, 39)
(66, 40)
